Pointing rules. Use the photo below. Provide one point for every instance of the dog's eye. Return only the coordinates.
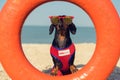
(55, 20)
(67, 20)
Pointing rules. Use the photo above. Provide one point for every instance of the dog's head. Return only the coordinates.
(63, 24)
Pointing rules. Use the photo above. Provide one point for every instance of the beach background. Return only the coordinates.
(36, 43)
(36, 40)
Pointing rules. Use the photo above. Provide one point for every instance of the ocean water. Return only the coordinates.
(40, 34)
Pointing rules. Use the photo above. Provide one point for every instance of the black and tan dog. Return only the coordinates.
(62, 49)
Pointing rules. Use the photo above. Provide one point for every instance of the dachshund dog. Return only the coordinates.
(62, 49)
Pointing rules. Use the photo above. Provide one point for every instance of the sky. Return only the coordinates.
(40, 15)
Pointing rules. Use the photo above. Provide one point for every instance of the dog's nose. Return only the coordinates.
(61, 26)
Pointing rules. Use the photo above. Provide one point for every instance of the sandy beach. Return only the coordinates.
(39, 56)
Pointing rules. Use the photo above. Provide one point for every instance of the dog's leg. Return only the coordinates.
(73, 68)
(54, 71)
(57, 65)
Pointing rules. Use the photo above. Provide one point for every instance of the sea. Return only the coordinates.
(40, 35)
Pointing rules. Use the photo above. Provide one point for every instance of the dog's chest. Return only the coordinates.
(62, 52)
(63, 55)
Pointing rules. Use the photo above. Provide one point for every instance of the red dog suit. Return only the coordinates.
(64, 56)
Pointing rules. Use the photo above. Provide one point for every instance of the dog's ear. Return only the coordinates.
(72, 28)
(51, 29)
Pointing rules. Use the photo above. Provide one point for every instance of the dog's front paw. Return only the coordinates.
(73, 69)
(55, 72)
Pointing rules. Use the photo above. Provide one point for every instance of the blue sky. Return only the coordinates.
(39, 16)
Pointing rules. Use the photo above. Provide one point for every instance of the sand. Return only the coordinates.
(39, 56)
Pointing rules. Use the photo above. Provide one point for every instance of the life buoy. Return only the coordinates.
(107, 51)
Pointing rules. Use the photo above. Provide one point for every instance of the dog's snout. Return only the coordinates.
(61, 23)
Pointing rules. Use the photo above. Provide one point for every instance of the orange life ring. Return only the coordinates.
(107, 51)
